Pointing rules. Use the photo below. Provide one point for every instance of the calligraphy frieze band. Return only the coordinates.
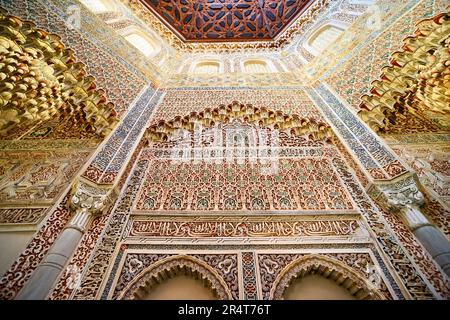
(238, 228)
(21, 215)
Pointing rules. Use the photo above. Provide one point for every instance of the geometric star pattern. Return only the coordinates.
(227, 20)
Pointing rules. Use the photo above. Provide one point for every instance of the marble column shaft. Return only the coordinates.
(44, 277)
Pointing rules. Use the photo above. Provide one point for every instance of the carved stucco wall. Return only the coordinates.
(418, 142)
(131, 241)
(33, 176)
(341, 227)
(36, 170)
(337, 214)
(149, 230)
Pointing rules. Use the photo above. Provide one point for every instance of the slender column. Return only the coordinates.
(405, 199)
(431, 238)
(86, 201)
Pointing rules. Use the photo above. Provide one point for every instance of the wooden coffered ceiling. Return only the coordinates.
(227, 20)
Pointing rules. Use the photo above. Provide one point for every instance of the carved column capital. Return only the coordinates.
(397, 195)
(87, 200)
(403, 198)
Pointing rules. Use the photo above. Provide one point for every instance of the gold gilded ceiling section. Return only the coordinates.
(416, 84)
(40, 80)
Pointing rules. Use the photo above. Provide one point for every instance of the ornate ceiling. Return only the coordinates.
(227, 20)
(416, 84)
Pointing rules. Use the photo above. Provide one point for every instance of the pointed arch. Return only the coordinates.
(171, 267)
(329, 268)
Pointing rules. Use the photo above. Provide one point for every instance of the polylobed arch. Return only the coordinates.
(169, 268)
(329, 268)
(293, 124)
